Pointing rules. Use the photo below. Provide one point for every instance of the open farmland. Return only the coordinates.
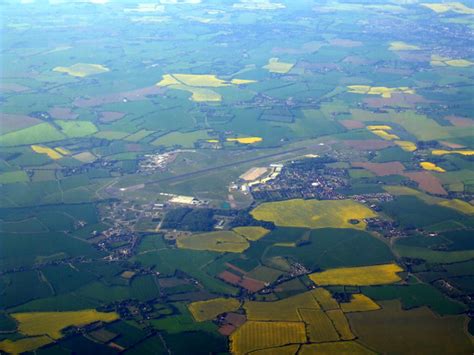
(227, 241)
(260, 335)
(251, 233)
(314, 214)
(82, 69)
(207, 310)
(341, 347)
(51, 323)
(283, 310)
(440, 335)
(359, 276)
(359, 303)
(249, 177)
(319, 326)
(24, 345)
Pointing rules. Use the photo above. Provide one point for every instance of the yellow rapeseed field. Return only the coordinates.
(402, 46)
(459, 205)
(199, 85)
(62, 151)
(222, 241)
(379, 127)
(210, 309)
(444, 152)
(245, 140)
(358, 276)
(431, 167)
(168, 80)
(359, 303)
(24, 345)
(384, 135)
(201, 80)
(260, 335)
(457, 7)
(252, 233)
(406, 145)
(460, 63)
(275, 66)
(53, 154)
(51, 323)
(383, 91)
(201, 94)
(439, 61)
(314, 214)
(82, 70)
(242, 81)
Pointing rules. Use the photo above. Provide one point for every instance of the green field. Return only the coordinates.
(440, 335)
(215, 241)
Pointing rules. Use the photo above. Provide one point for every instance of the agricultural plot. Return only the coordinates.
(438, 152)
(282, 310)
(52, 153)
(39, 133)
(415, 295)
(76, 129)
(208, 310)
(456, 204)
(402, 46)
(199, 85)
(225, 241)
(10, 123)
(431, 167)
(434, 256)
(329, 248)
(439, 61)
(340, 347)
(82, 70)
(359, 276)
(426, 214)
(457, 7)
(319, 326)
(11, 177)
(185, 140)
(422, 127)
(324, 298)
(260, 335)
(51, 323)
(439, 335)
(406, 146)
(281, 350)
(314, 214)
(379, 90)
(359, 303)
(252, 233)
(341, 324)
(245, 140)
(275, 66)
(24, 345)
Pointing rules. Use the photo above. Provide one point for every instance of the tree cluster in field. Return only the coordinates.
(243, 218)
(188, 219)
